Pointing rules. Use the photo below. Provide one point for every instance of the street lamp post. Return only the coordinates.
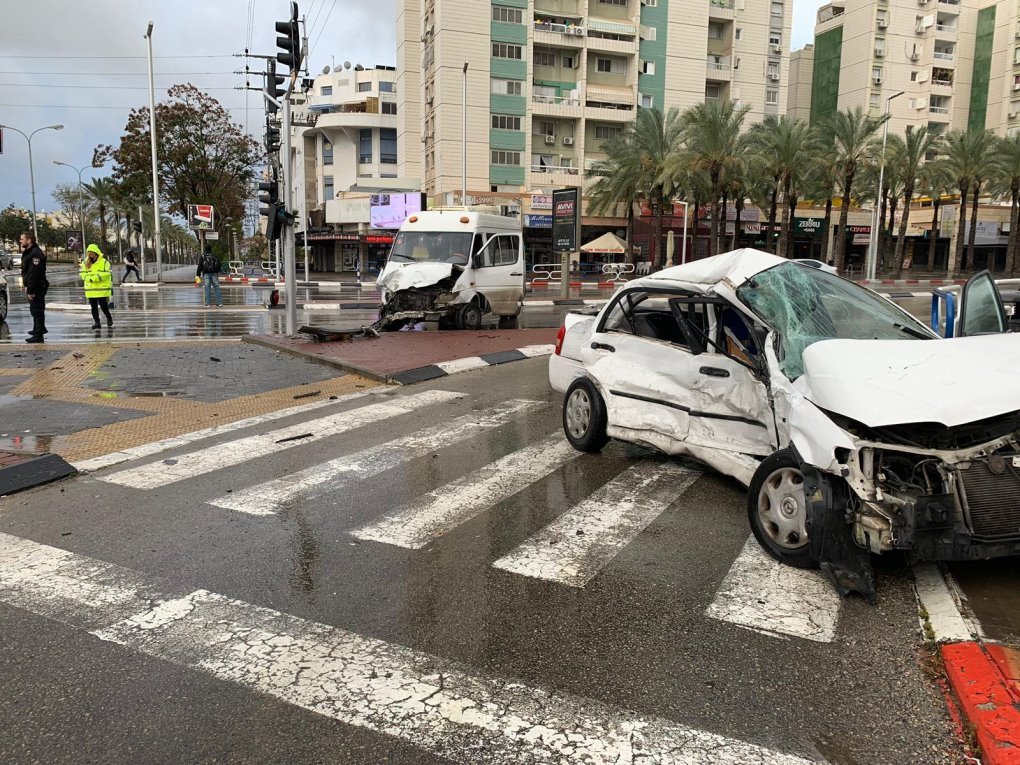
(31, 171)
(872, 265)
(155, 175)
(81, 200)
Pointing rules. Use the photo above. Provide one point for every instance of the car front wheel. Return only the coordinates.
(584, 417)
(777, 509)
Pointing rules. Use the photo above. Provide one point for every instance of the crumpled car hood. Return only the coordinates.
(894, 382)
(402, 276)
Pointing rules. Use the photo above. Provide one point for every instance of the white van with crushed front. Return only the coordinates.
(453, 267)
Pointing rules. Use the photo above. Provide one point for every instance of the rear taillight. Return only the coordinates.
(559, 339)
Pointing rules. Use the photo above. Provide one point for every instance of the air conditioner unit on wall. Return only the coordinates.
(777, 48)
(915, 56)
(550, 139)
(877, 80)
(568, 140)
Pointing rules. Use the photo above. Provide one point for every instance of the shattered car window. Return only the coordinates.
(805, 305)
(431, 247)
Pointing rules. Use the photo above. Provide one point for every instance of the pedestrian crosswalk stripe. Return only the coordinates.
(431, 515)
(438, 705)
(573, 548)
(270, 497)
(761, 594)
(219, 456)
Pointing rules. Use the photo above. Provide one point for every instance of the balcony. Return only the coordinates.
(718, 70)
(720, 9)
(612, 45)
(945, 31)
(555, 169)
(940, 112)
(557, 34)
(943, 55)
(556, 106)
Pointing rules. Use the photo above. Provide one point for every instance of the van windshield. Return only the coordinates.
(431, 247)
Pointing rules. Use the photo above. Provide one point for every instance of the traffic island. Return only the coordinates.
(409, 357)
(20, 471)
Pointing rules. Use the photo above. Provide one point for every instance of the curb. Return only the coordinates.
(990, 700)
(35, 470)
(419, 374)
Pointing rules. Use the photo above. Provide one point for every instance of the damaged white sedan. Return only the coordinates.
(856, 428)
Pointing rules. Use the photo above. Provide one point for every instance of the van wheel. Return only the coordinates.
(509, 322)
(584, 416)
(447, 322)
(777, 509)
(469, 317)
(395, 326)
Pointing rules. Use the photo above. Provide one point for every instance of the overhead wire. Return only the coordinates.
(323, 29)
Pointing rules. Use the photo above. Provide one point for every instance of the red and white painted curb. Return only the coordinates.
(984, 676)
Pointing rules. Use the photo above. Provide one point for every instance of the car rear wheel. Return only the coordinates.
(777, 509)
(584, 417)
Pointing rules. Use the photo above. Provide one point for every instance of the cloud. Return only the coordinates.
(39, 41)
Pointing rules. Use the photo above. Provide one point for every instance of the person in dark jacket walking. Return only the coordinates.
(129, 266)
(33, 281)
(209, 270)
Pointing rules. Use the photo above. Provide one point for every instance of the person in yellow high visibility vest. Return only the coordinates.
(95, 273)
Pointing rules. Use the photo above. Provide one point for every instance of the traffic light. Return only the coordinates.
(290, 42)
(272, 139)
(274, 87)
(270, 197)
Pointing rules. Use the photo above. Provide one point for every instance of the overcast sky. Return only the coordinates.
(82, 64)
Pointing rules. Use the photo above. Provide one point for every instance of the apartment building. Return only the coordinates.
(547, 82)
(956, 61)
(345, 150)
(798, 102)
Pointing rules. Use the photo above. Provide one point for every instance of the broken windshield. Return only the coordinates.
(431, 247)
(805, 305)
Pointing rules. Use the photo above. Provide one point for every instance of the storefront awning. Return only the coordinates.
(607, 243)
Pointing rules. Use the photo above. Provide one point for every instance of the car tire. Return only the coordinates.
(509, 322)
(777, 509)
(395, 326)
(3, 306)
(584, 416)
(469, 316)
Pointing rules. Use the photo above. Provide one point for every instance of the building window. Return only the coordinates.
(545, 58)
(605, 132)
(737, 33)
(507, 15)
(511, 158)
(388, 146)
(772, 97)
(777, 9)
(647, 67)
(387, 87)
(365, 145)
(604, 64)
(327, 152)
(326, 90)
(364, 87)
(506, 87)
(712, 90)
(613, 2)
(773, 70)
(646, 101)
(775, 38)
(389, 107)
(875, 100)
(876, 74)
(327, 188)
(715, 31)
(569, 61)
(543, 127)
(505, 122)
(506, 50)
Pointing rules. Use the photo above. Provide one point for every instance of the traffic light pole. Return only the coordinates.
(287, 234)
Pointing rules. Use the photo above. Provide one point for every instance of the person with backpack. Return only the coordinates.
(209, 271)
(98, 278)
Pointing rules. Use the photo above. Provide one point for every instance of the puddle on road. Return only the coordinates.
(25, 442)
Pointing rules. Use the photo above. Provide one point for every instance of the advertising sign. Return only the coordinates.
(541, 202)
(537, 221)
(808, 226)
(201, 217)
(391, 210)
(566, 219)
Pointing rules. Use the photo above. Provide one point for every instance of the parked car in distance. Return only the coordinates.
(16, 260)
(7, 259)
(812, 263)
(4, 300)
(856, 428)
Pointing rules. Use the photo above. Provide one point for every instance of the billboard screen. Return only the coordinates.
(391, 210)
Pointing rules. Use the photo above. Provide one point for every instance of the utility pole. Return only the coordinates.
(290, 55)
(155, 171)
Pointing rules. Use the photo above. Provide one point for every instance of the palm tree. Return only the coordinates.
(851, 133)
(101, 191)
(821, 183)
(645, 156)
(712, 141)
(908, 155)
(966, 159)
(934, 182)
(619, 181)
(1006, 163)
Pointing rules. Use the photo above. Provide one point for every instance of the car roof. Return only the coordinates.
(736, 267)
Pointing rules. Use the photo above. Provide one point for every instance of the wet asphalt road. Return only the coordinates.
(635, 637)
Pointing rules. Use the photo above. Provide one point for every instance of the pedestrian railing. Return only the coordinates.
(617, 270)
(551, 272)
(236, 267)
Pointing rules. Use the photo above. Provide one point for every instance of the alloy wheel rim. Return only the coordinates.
(578, 413)
(782, 508)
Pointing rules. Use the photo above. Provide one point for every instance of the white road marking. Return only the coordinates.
(272, 496)
(146, 450)
(761, 594)
(444, 707)
(572, 549)
(431, 515)
(944, 615)
(219, 456)
(462, 365)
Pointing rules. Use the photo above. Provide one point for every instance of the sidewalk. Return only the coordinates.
(408, 357)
